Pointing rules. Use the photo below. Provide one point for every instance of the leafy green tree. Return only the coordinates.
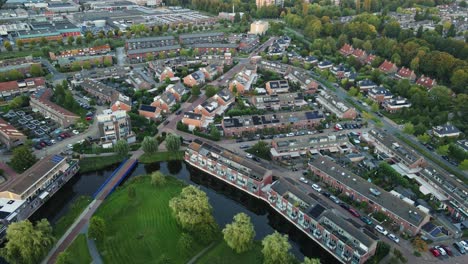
(158, 179)
(214, 132)
(22, 159)
(70, 40)
(311, 261)
(375, 107)
(408, 128)
(96, 149)
(463, 165)
(97, 228)
(36, 70)
(149, 56)
(121, 147)
(79, 40)
(185, 243)
(193, 212)
(64, 258)
(210, 90)
(19, 43)
(43, 42)
(150, 145)
(424, 138)
(7, 45)
(172, 142)
(276, 249)
(107, 61)
(17, 102)
(459, 81)
(353, 91)
(239, 235)
(196, 90)
(27, 244)
(443, 150)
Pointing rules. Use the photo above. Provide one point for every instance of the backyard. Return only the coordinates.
(142, 229)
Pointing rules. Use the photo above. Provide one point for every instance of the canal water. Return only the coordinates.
(225, 200)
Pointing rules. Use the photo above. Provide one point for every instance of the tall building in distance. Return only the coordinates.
(261, 3)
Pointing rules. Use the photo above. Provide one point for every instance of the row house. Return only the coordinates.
(99, 90)
(40, 101)
(196, 78)
(14, 88)
(103, 49)
(277, 87)
(305, 81)
(330, 230)
(396, 104)
(366, 85)
(405, 73)
(211, 71)
(10, 136)
(387, 147)
(149, 111)
(295, 147)
(150, 42)
(361, 55)
(388, 67)
(212, 37)
(213, 48)
(426, 82)
(229, 167)
(194, 120)
(178, 90)
(409, 218)
(335, 106)
(244, 80)
(276, 102)
(278, 67)
(379, 94)
(215, 105)
(141, 54)
(238, 126)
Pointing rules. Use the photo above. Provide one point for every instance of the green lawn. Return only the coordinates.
(98, 163)
(142, 230)
(79, 250)
(161, 156)
(67, 220)
(221, 253)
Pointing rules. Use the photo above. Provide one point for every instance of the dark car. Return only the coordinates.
(244, 147)
(166, 122)
(326, 194)
(239, 140)
(256, 159)
(366, 220)
(43, 144)
(178, 112)
(59, 138)
(345, 206)
(38, 146)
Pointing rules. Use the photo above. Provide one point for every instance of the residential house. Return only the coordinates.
(307, 83)
(277, 87)
(405, 73)
(278, 102)
(370, 59)
(360, 55)
(215, 105)
(311, 59)
(196, 78)
(194, 120)
(346, 50)
(211, 71)
(40, 101)
(13, 88)
(366, 85)
(121, 102)
(325, 65)
(10, 136)
(162, 73)
(463, 144)
(379, 94)
(426, 82)
(447, 130)
(115, 126)
(340, 71)
(212, 37)
(335, 106)
(388, 67)
(99, 90)
(150, 112)
(244, 80)
(177, 90)
(214, 48)
(396, 104)
(164, 102)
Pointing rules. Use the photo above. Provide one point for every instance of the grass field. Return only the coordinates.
(221, 253)
(98, 163)
(67, 220)
(161, 156)
(79, 250)
(142, 230)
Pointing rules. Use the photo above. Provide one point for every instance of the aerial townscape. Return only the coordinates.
(233, 131)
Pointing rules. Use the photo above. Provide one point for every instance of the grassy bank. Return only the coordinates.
(142, 229)
(161, 156)
(98, 163)
(221, 253)
(79, 250)
(67, 220)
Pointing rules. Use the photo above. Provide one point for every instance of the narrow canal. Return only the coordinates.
(225, 199)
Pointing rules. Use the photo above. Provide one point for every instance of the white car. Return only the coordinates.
(441, 250)
(381, 230)
(75, 132)
(393, 238)
(52, 141)
(248, 155)
(316, 187)
(290, 135)
(464, 244)
(302, 179)
(70, 146)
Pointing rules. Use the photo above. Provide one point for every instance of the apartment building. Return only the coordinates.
(335, 106)
(114, 126)
(409, 218)
(276, 102)
(10, 136)
(277, 86)
(294, 147)
(99, 90)
(40, 101)
(284, 122)
(196, 38)
(150, 42)
(14, 88)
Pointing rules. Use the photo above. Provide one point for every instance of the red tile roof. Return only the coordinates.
(405, 72)
(43, 96)
(9, 130)
(346, 49)
(387, 66)
(14, 85)
(370, 58)
(358, 53)
(426, 81)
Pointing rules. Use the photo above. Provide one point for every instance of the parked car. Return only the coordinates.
(326, 194)
(178, 112)
(334, 199)
(38, 147)
(345, 206)
(239, 140)
(257, 159)
(441, 250)
(316, 187)
(89, 118)
(244, 147)
(434, 252)
(366, 220)
(447, 249)
(354, 212)
(381, 230)
(166, 122)
(302, 179)
(459, 247)
(75, 132)
(464, 244)
(393, 238)
(70, 146)
(248, 155)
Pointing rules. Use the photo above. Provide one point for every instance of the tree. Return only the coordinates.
(7, 45)
(64, 258)
(70, 40)
(96, 149)
(172, 142)
(214, 132)
(149, 56)
(43, 41)
(443, 150)
(36, 70)
(463, 165)
(185, 243)
(285, 59)
(419, 244)
(375, 107)
(353, 91)
(121, 147)
(276, 249)
(210, 91)
(19, 43)
(158, 179)
(193, 212)
(27, 244)
(17, 102)
(97, 228)
(79, 40)
(107, 61)
(408, 128)
(22, 159)
(150, 145)
(424, 138)
(311, 261)
(239, 235)
(459, 80)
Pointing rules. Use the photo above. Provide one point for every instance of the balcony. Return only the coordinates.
(317, 234)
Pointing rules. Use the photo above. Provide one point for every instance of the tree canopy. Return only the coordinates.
(172, 142)
(150, 145)
(121, 147)
(97, 228)
(276, 249)
(239, 235)
(22, 159)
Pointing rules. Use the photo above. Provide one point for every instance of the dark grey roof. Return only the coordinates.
(214, 45)
(147, 108)
(201, 35)
(154, 49)
(446, 129)
(192, 115)
(150, 39)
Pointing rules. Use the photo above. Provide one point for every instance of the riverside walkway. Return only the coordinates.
(108, 186)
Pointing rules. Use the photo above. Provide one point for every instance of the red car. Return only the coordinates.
(434, 252)
(89, 118)
(354, 212)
